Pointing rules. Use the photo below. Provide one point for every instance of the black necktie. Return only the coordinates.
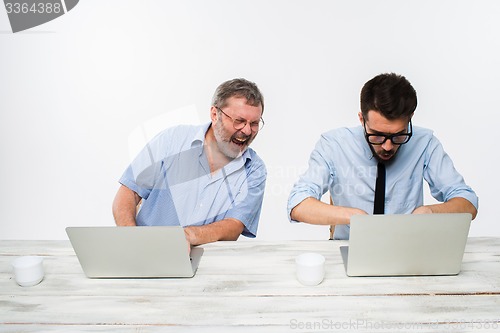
(378, 204)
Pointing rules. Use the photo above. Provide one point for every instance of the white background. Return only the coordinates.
(78, 93)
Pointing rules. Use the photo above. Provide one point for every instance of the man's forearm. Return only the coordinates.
(314, 211)
(224, 230)
(124, 218)
(454, 205)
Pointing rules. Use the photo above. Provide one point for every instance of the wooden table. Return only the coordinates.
(250, 286)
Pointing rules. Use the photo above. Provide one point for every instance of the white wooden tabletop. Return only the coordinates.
(250, 286)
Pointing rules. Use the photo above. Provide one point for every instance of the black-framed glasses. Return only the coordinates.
(396, 139)
(239, 123)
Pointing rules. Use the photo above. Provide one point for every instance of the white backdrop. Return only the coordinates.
(78, 93)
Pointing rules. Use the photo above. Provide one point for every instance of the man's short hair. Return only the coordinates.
(390, 94)
(238, 88)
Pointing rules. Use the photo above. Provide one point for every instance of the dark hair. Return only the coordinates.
(238, 88)
(390, 94)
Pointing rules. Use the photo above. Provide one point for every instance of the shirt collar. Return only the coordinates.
(199, 138)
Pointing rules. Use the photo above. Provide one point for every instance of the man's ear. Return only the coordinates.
(213, 114)
(360, 116)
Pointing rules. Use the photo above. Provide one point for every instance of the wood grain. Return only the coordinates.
(250, 286)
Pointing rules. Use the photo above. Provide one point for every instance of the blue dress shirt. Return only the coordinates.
(343, 164)
(173, 177)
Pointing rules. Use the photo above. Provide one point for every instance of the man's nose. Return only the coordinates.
(247, 129)
(388, 145)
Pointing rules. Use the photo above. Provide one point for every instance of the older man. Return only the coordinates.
(204, 178)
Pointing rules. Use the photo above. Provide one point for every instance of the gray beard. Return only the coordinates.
(224, 146)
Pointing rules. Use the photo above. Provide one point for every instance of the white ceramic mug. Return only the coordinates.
(310, 268)
(28, 270)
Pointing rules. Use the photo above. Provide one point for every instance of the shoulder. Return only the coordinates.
(253, 158)
(422, 132)
(173, 140)
(182, 130)
(423, 142)
(423, 137)
(254, 162)
(342, 139)
(341, 134)
(181, 134)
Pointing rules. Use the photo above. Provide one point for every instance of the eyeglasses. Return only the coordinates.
(397, 139)
(239, 123)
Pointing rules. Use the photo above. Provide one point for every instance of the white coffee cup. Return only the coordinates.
(28, 270)
(310, 268)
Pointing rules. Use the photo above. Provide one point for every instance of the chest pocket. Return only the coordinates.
(404, 196)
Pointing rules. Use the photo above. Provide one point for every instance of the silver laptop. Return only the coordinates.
(134, 252)
(395, 245)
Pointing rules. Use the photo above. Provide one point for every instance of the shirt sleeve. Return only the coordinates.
(444, 180)
(248, 202)
(145, 170)
(315, 181)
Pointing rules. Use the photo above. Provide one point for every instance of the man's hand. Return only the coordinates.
(190, 235)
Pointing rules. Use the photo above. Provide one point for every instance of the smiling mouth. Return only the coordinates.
(240, 141)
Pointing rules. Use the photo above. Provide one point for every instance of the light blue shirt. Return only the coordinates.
(173, 177)
(343, 164)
